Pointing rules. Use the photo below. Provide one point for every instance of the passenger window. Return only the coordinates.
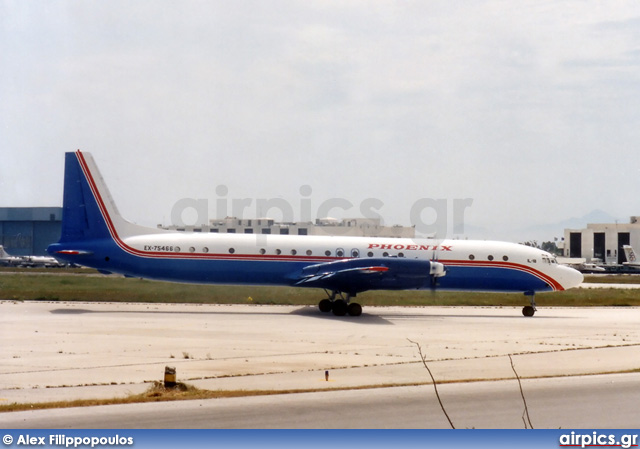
(309, 252)
(471, 257)
(355, 252)
(339, 252)
(370, 254)
(505, 258)
(490, 257)
(327, 253)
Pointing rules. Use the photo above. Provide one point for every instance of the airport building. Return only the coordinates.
(602, 242)
(355, 227)
(27, 231)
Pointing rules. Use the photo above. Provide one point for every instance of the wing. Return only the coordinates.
(353, 276)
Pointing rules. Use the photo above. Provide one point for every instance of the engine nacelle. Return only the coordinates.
(436, 269)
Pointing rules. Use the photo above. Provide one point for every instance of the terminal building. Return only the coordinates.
(28, 231)
(355, 227)
(602, 243)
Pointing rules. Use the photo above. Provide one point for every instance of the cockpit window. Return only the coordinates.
(549, 259)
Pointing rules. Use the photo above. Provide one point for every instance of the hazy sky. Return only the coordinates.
(530, 108)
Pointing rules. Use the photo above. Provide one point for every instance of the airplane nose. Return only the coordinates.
(570, 277)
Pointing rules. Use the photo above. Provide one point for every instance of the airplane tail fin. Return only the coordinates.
(630, 253)
(3, 253)
(89, 211)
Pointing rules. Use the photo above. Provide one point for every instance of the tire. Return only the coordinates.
(340, 307)
(528, 311)
(325, 306)
(354, 309)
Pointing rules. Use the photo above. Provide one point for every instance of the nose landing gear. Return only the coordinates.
(529, 311)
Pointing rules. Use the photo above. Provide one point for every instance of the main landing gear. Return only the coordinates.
(530, 310)
(341, 306)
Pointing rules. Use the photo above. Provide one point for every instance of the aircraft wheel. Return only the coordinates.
(340, 307)
(325, 306)
(354, 309)
(528, 311)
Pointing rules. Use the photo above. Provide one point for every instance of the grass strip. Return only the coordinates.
(73, 287)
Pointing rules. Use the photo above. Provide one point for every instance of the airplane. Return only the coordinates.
(28, 261)
(591, 268)
(41, 261)
(580, 264)
(8, 259)
(94, 234)
(632, 260)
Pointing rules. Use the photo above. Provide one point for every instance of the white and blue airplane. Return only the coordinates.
(94, 234)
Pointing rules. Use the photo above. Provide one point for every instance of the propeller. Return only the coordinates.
(436, 269)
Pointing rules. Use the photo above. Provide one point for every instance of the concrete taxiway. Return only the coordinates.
(71, 350)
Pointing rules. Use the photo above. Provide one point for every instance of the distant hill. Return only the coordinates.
(542, 232)
(546, 232)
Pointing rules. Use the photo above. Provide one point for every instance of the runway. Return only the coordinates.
(608, 286)
(585, 402)
(63, 351)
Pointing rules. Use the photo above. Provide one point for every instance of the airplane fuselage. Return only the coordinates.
(258, 259)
